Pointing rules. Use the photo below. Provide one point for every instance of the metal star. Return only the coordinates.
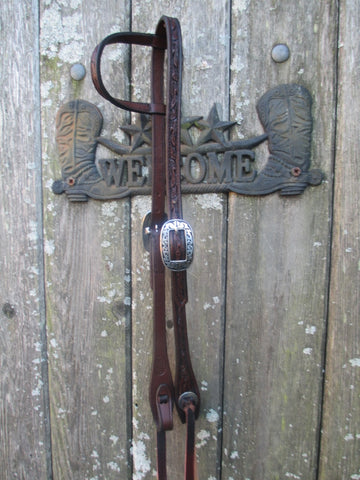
(186, 124)
(140, 132)
(213, 128)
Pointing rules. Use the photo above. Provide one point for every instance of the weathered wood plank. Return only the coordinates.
(341, 422)
(205, 81)
(277, 255)
(24, 438)
(87, 263)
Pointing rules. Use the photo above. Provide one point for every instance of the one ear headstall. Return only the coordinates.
(165, 160)
(169, 237)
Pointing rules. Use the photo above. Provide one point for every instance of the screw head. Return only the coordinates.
(280, 53)
(77, 71)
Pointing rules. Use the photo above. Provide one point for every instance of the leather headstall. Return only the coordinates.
(168, 237)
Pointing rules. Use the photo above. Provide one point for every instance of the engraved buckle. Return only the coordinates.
(176, 244)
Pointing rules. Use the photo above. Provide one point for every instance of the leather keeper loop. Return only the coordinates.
(164, 408)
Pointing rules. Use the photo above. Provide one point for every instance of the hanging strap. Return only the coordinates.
(170, 241)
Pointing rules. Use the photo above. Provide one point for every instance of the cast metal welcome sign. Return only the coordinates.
(210, 162)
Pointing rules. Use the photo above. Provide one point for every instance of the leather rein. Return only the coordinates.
(169, 241)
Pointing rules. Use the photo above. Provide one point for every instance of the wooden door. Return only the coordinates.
(273, 312)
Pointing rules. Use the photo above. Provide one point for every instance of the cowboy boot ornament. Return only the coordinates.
(78, 126)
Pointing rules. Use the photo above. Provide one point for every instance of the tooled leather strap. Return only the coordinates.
(187, 395)
(169, 241)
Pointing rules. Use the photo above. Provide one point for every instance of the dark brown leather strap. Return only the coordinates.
(166, 122)
(161, 455)
(190, 460)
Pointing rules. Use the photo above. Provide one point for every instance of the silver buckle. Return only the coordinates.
(167, 237)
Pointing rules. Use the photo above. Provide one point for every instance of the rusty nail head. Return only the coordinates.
(296, 171)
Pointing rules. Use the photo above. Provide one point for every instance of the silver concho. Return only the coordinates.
(176, 225)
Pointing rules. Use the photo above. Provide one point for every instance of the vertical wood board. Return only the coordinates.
(278, 255)
(205, 53)
(24, 441)
(340, 457)
(87, 266)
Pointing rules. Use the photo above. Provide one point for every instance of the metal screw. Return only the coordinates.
(280, 53)
(77, 71)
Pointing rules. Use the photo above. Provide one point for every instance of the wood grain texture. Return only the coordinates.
(278, 256)
(341, 423)
(206, 57)
(24, 440)
(87, 263)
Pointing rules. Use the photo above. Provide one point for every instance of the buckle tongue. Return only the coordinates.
(176, 244)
